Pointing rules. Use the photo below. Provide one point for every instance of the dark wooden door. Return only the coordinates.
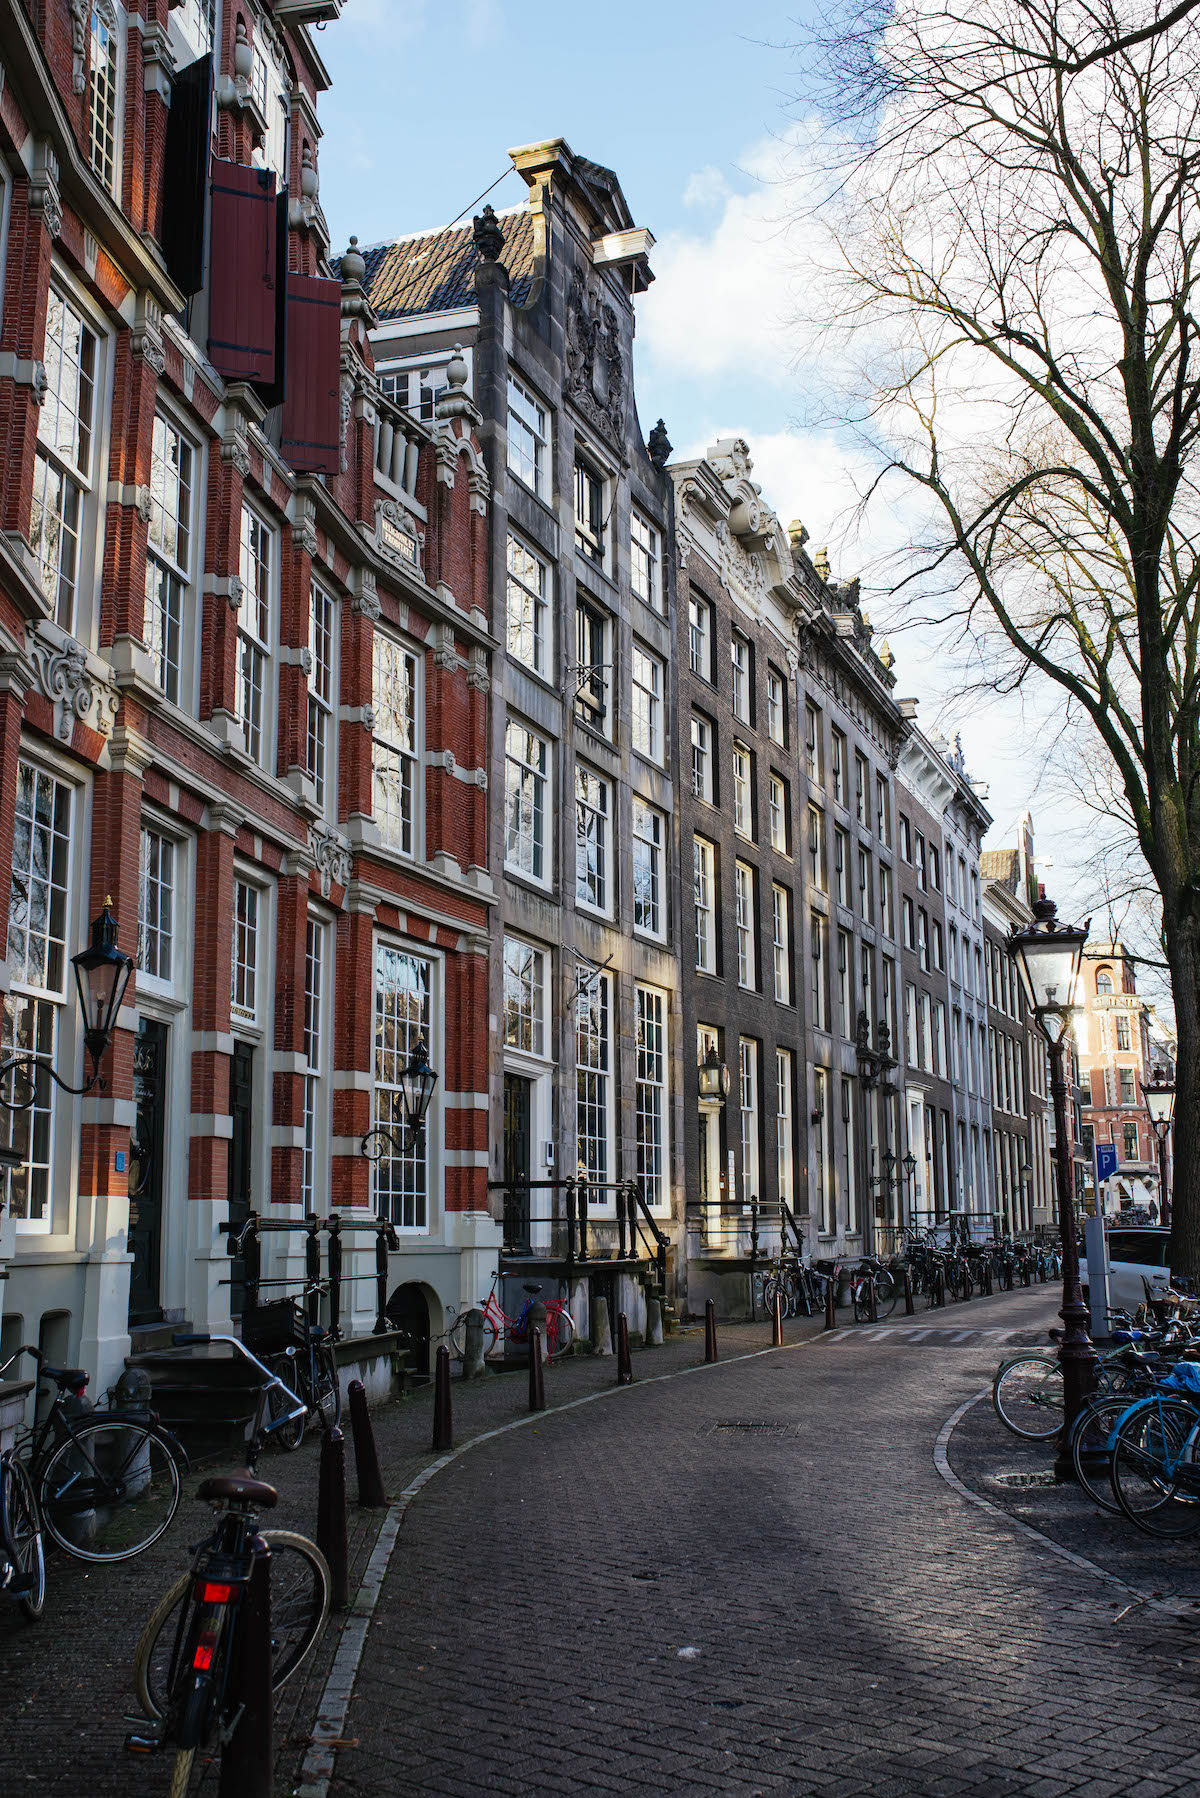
(241, 1095)
(146, 1172)
(518, 1160)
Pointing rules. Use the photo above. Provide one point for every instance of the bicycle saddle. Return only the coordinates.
(530, 1286)
(239, 1486)
(64, 1377)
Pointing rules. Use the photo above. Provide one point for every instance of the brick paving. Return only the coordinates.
(857, 1626)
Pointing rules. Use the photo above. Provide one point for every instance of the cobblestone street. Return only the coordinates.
(748, 1579)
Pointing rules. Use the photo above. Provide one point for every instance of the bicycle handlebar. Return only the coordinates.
(188, 1338)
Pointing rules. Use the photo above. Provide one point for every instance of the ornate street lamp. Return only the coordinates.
(102, 973)
(1159, 1094)
(909, 1164)
(713, 1078)
(417, 1081)
(1048, 955)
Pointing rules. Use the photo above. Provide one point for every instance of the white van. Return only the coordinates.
(1135, 1252)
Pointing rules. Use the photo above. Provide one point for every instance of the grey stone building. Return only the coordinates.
(941, 827)
(584, 1022)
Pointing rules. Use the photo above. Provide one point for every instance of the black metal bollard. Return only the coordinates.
(443, 1421)
(777, 1322)
(371, 1495)
(710, 1331)
(248, 1758)
(537, 1379)
(830, 1304)
(908, 1298)
(939, 1286)
(331, 1515)
(624, 1358)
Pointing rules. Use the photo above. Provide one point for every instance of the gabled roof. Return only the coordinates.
(433, 271)
(1003, 866)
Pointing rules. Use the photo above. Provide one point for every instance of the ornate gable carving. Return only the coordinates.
(596, 376)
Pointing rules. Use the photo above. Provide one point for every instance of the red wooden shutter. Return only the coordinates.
(312, 437)
(242, 262)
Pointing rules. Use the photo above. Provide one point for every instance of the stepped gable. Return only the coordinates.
(434, 271)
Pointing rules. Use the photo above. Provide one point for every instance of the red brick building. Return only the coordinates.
(244, 670)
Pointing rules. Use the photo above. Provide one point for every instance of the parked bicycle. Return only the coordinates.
(189, 1647)
(300, 1355)
(499, 1326)
(22, 1551)
(107, 1482)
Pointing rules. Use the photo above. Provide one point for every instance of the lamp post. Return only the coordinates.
(909, 1165)
(417, 1081)
(873, 1067)
(1159, 1094)
(1048, 955)
(102, 973)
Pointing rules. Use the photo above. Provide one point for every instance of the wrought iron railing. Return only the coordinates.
(579, 1221)
(246, 1240)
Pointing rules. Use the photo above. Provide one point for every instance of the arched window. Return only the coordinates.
(1104, 980)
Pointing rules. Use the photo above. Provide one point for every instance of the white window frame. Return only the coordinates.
(527, 793)
(781, 934)
(38, 1013)
(105, 94)
(650, 1097)
(822, 1166)
(525, 994)
(251, 933)
(784, 1154)
(845, 980)
(818, 991)
(700, 636)
(528, 446)
(64, 530)
(704, 883)
(649, 687)
(197, 23)
(396, 739)
(777, 813)
(593, 671)
(257, 617)
(158, 909)
(812, 742)
(649, 840)
(594, 821)
(594, 1111)
(776, 703)
(746, 927)
(748, 1114)
(322, 734)
(741, 662)
(528, 609)
(174, 495)
(645, 561)
(702, 758)
(743, 790)
(590, 487)
(318, 985)
(405, 986)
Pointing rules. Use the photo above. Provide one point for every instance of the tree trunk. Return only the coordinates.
(1181, 925)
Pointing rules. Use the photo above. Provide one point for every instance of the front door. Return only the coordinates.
(518, 1160)
(241, 1095)
(146, 1172)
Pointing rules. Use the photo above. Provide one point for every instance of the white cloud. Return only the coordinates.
(707, 187)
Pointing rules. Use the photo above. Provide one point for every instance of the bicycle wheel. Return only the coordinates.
(885, 1293)
(862, 1302)
(457, 1335)
(326, 1396)
(1091, 1456)
(560, 1332)
(110, 1489)
(1156, 1468)
(1027, 1394)
(773, 1287)
(289, 1435)
(299, 1606)
(21, 1533)
(181, 1773)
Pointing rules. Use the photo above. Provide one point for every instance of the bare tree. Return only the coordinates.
(1018, 233)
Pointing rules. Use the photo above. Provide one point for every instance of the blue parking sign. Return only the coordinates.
(1106, 1161)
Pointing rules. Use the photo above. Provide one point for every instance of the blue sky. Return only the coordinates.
(689, 102)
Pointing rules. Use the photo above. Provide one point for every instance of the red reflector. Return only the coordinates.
(211, 1593)
(202, 1659)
